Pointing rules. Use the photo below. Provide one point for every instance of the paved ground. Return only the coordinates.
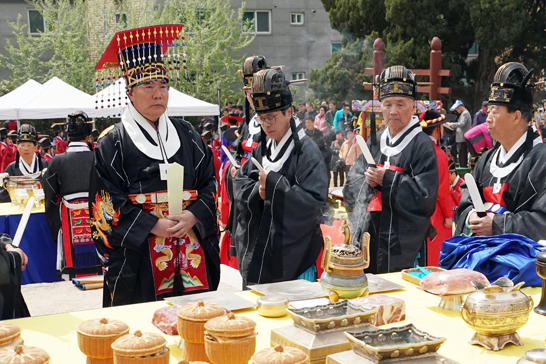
(61, 297)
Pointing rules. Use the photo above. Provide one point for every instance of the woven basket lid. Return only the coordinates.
(279, 355)
(139, 344)
(8, 332)
(230, 326)
(103, 327)
(24, 355)
(200, 311)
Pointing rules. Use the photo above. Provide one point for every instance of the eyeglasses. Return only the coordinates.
(150, 87)
(268, 121)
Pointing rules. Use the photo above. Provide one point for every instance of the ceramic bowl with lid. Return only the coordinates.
(272, 305)
(280, 355)
(9, 333)
(230, 339)
(141, 348)
(95, 337)
(192, 318)
(24, 355)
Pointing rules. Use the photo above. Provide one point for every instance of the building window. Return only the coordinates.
(475, 49)
(261, 20)
(336, 47)
(36, 22)
(121, 18)
(298, 76)
(296, 18)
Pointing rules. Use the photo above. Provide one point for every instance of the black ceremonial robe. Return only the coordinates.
(397, 213)
(13, 169)
(67, 177)
(520, 197)
(121, 168)
(12, 303)
(280, 238)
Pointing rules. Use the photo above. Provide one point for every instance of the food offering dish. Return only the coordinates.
(338, 315)
(399, 342)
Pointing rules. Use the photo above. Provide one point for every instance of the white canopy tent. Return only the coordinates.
(179, 104)
(11, 102)
(55, 100)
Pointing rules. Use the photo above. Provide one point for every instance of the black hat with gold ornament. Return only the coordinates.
(512, 86)
(270, 91)
(451, 165)
(27, 134)
(397, 81)
(251, 66)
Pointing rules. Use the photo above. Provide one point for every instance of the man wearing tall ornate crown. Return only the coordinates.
(511, 176)
(147, 253)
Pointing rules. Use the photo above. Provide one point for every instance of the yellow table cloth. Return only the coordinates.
(57, 333)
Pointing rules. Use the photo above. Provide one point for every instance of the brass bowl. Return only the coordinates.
(499, 314)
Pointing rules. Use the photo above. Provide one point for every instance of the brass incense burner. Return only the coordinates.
(495, 312)
(20, 188)
(344, 266)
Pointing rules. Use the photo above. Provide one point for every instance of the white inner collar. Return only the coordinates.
(504, 156)
(25, 168)
(433, 139)
(414, 120)
(276, 149)
(170, 141)
(75, 147)
(392, 151)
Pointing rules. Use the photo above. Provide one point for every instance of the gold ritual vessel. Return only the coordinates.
(344, 265)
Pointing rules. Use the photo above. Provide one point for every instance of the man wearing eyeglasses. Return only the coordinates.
(149, 254)
(280, 208)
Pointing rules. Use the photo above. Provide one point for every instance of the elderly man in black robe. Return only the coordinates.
(148, 253)
(510, 177)
(280, 208)
(394, 199)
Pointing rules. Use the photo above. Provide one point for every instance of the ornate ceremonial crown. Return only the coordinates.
(512, 86)
(397, 81)
(270, 91)
(149, 53)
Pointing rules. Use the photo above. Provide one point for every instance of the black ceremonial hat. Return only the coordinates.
(95, 133)
(252, 65)
(270, 91)
(451, 165)
(397, 81)
(27, 133)
(45, 142)
(79, 125)
(512, 86)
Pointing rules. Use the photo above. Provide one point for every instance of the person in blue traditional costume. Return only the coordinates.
(511, 177)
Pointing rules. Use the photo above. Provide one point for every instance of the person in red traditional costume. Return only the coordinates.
(147, 253)
(7, 152)
(59, 143)
(442, 220)
(66, 189)
(455, 182)
(510, 177)
(45, 149)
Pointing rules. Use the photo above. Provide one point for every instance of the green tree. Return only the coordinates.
(78, 31)
(342, 76)
(506, 30)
